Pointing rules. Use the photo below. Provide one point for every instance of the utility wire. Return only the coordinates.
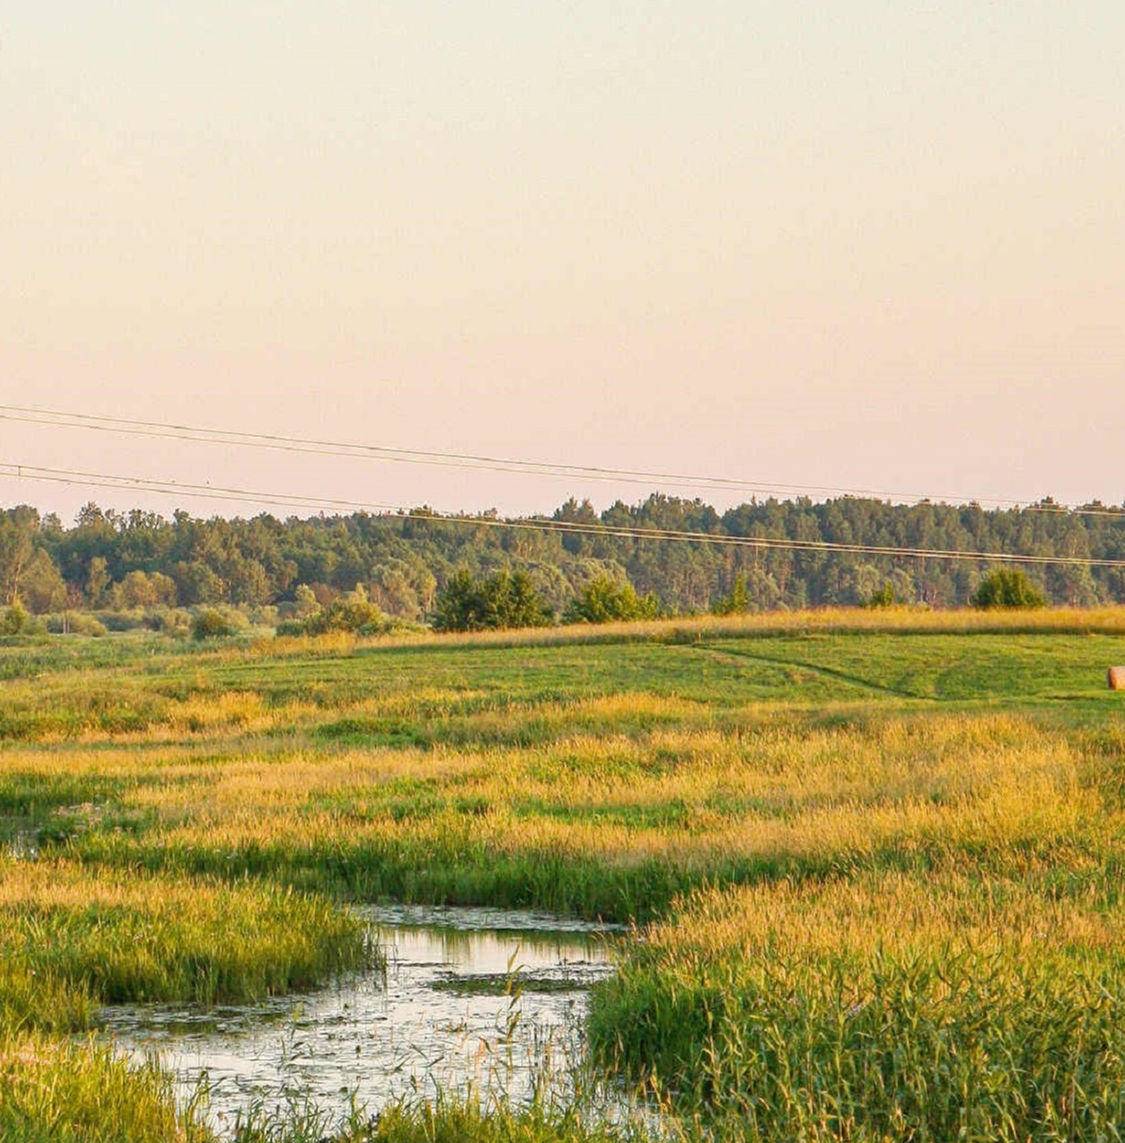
(162, 430)
(571, 527)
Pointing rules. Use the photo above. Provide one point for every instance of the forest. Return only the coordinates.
(113, 561)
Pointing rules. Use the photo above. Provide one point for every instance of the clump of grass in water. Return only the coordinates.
(72, 937)
(447, 1119)
(300, 1122)
(567, 1102)
(453, 1120)
(499, 984)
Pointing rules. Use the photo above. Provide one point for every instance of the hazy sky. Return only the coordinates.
(853, 244)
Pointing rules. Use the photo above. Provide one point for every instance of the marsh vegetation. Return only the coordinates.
(876, 858)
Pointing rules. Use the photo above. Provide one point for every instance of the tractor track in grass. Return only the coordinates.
(829, 672)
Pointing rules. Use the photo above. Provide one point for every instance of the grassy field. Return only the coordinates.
(880, 856)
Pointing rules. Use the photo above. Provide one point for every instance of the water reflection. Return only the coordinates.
(469, 996)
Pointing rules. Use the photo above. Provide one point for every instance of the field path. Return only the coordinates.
(830, 672)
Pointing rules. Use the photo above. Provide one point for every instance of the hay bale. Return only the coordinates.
(1115, 676)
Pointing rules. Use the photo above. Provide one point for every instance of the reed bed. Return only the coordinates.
(74, 938)
(885, 1006)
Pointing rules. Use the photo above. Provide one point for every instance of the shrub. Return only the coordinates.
(113, 620)
(506, 599)
(264, 615)
(17, 620)
(353, 612)
(884, 597)
(212, 624)
(176, 622)
(1008, 588)
(608, 600)
(76, 623)
(737, 601)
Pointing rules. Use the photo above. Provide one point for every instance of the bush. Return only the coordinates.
(1008, 588)
(176, 622)
(76, 623)
(608, 600)
(353, 612)
(884, 597)
(265, 615)
(737, 601)
(17, 620)
(132, 620)
(212, 624)
(504, 600)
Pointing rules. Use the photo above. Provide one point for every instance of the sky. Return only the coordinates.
(858, 244)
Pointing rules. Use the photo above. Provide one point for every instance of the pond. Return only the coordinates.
(489, 998)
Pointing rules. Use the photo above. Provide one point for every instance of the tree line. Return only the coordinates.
(110, 561)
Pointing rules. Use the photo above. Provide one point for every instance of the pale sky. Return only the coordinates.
(851, 244)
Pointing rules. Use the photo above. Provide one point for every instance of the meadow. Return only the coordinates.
(875, 858)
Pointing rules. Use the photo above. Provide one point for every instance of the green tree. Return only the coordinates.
(1008, 588)
(18, 527)
(460, 604)
(135, 590)
(352, 612)
(608, 600)
(504, 600)
(164, 587)
(305, 601)
(97, 580)
(197, 583)
(882, 597)
(41, 586)
(212, 624)
(737, 600)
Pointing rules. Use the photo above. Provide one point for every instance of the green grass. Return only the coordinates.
(883, 1006)
(73, 939)
(447, 1120)
(882, 854)
(454, 1121)
(55, 1091)
(125, 936)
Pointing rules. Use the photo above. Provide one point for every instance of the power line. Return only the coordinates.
(167, 487)
(202, 435)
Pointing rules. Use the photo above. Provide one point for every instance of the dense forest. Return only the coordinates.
(127, 561)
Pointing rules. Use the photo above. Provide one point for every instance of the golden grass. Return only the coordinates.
(690, 799)
(890, 911)
(829, 620)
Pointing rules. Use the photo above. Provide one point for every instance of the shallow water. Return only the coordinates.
(484, 997)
